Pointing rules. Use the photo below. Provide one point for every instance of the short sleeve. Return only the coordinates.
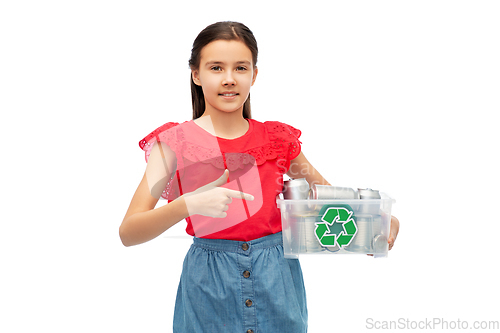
(284, 141)
(295, 144)
(165, 133)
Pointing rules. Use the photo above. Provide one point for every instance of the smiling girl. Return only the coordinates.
(222, 172)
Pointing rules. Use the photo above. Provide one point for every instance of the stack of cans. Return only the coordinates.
(303, 217)
(368, 220)
(368, 238)
(322, 192)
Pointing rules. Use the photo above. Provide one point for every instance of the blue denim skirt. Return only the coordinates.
(233, 286)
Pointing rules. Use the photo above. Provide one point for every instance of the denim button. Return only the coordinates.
(244, 246)
(249, 331)
(246, 274)
(248, 302)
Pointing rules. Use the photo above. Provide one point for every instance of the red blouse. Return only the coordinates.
(256, 162)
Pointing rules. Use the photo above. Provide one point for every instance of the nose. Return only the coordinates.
(228, 80)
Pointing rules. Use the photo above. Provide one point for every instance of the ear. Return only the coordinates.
(255, 71)
(196, 77)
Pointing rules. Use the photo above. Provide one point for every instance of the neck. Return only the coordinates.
(227, 125)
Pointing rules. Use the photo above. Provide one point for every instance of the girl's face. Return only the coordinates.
(226, 74)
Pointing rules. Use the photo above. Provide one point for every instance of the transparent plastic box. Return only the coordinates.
(341, 226)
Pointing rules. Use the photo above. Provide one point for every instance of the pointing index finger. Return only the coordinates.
(239, 195)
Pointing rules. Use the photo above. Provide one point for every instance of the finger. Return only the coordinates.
(239, 195)
(221, 215)
(391, 242)
(222, 179)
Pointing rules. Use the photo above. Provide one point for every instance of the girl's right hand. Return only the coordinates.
(212, 200)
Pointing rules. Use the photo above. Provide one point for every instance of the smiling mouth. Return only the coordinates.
(229, 94)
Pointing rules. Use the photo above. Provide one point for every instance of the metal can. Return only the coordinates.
(362, 242)
(380, 245)
(311, 244)
(368, 193)
(331, 192)
(369, 207)
(296, 189)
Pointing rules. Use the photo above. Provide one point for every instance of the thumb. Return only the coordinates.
(222, 179)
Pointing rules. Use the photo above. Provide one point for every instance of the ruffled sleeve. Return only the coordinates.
(285, 143)
(166, 134)
(162, 134)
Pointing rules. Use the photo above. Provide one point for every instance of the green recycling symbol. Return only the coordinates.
(337, 227)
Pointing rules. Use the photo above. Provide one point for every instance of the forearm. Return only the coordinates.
(316, 178)
(144, 226)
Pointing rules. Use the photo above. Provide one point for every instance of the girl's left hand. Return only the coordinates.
(393, 233)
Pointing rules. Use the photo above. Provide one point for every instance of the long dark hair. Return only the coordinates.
(226, 31)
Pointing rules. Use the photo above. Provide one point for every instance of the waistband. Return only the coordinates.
(238, 246)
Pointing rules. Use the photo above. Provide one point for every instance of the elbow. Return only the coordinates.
(123, 237)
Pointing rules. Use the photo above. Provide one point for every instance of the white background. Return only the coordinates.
(400, 96)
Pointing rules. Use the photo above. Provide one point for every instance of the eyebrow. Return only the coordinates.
(244, 62)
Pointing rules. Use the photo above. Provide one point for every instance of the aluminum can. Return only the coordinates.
(296, 189)
(362, 242)
(319, 192)
(379, 242)
(369, 207)
(368, 193)
(380, 245)
(311, 244)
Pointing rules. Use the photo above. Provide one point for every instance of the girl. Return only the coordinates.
(222, 172)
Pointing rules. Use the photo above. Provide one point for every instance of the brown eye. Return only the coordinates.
(216, 68)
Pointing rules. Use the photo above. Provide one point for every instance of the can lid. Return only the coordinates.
(296, 181)
(296, 189)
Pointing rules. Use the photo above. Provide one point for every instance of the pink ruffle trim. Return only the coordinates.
(284, 145)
